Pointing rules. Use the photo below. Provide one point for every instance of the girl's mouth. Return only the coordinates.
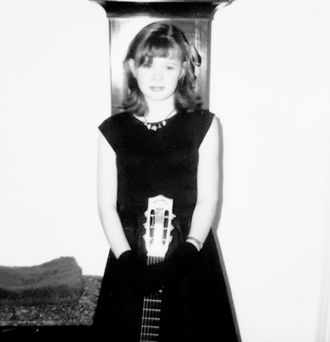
(156, 88)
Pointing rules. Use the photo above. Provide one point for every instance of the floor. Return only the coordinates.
(68, 333)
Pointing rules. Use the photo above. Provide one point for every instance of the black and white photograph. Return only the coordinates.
(165, 170)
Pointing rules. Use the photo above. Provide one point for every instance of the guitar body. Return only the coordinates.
(157, 237)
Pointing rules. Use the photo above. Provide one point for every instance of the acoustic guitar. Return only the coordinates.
(157, 237)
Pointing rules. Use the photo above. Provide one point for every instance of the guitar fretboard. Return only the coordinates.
(151, 312)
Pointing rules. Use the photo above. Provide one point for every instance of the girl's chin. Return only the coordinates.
(158, 96)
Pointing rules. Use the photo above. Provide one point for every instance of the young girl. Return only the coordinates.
(162, 143)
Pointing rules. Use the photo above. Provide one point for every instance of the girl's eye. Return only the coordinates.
(170, 67)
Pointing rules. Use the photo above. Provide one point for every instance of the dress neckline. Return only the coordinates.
(156, 122)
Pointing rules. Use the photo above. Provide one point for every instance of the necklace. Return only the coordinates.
(156, 125)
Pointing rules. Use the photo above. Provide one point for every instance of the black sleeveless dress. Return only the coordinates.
(164, 162)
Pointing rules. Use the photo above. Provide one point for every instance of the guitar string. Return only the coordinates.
(151, 305)
(147, 312)
(151, 312)
(150, 325)
(158, 306)
(144, 313)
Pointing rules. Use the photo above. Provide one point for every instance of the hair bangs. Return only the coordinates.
(162, 46)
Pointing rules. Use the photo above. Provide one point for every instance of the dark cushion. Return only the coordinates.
(59, 280)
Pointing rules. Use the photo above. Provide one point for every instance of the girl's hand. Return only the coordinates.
(175, 266)
(143, 279)
(135, 275)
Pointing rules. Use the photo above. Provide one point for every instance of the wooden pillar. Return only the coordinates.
(126, 18)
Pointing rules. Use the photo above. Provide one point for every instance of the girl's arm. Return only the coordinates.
(107, 197)
(207, 184)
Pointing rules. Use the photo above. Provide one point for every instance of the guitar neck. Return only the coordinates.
(157, 237)
(151, 311)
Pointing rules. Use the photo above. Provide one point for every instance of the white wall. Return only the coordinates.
(54, 91)
(270, 86)
(271, 91)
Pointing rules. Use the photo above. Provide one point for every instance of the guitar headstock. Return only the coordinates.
(158, 225)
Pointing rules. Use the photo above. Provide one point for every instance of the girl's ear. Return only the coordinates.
(131, 65)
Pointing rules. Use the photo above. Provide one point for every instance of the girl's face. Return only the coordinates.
(158, 80)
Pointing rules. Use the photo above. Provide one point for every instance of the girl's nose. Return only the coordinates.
(157, 75)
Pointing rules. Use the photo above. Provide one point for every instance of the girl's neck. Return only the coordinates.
(160, 110)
